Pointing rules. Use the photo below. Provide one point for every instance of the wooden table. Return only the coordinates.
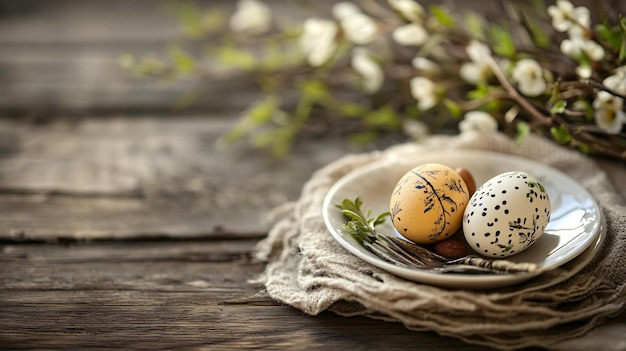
(138, 233)
(124, 228)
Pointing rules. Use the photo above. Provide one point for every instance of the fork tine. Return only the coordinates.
(389, 256)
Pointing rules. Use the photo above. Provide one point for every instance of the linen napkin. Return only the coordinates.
(307, 269)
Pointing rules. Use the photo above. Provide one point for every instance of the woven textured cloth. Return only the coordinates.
(306, 268)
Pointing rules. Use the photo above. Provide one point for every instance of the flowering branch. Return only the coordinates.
(371, 68)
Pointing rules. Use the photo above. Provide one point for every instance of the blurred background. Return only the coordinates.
(61, 57)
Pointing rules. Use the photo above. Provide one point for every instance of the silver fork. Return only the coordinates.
(410, 255)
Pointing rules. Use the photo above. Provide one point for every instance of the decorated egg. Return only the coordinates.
(427, 203)
(506, 215)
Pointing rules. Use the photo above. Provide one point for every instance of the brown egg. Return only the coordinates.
(468, 179)
(427, 203)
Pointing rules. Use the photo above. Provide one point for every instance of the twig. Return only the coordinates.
(578, 137)
(515, 95)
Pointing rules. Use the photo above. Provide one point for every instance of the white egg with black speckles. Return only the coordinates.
(506, 215)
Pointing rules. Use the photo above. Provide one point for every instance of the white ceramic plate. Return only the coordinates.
(575, 228)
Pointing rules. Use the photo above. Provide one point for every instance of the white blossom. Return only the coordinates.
(565, 16)
(343, 10)
(370, 70)
(424, 91)
(425, 65)
(617, 81)
(412, 34)
(477, 51)
(358, 27)
(317, 42)
(478, 121)
(529, 76)
(474, 72)
(584, 71)
(416, 129)
(408, 9)
(477, 70)
(251, 16)
(576, 46)
(609, 114)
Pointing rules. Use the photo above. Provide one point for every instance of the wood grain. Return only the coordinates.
(167, 295)
(143, 177)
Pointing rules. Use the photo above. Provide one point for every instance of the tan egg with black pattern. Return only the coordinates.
(428, 202)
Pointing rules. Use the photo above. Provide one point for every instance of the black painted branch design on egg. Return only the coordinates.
(433, 199)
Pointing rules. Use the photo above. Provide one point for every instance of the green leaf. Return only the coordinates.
(455, 110)
(150, 66)
(558, 107)
(263, 111)
(257, 114)
(313, 89)
(352, 109)
(189, 18)
(475, 25)
(539, 36)
(195, 23)
(503, 43)
(354, 216)
(561, 134)
(584, 148)
(479, 92)
(605, 33)
(278, 141)
(381, 218)
(183, 62)
(363, 138)
(126, 61)
(230, 56)
(443, 17)
(622, 50)
(385, 117)
(523, 130)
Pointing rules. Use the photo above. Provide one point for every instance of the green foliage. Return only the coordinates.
(196, 23)
(523, 130)
(455, 110)
(584, 148)
(359, 225)
(502, 42)
(257, 115)
(182, 61)
(126, 61)
(475, 25)
(443, 17)
(229, 55)
(622, 50)
(561, 134)
(558, 107)
(539, 36)
(383, 118)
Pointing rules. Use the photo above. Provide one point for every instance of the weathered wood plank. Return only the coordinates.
(63, 56)
(104, 178)
(130, 177)
(167, 295)
(183, 294)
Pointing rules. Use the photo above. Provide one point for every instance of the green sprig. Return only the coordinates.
(360, 226)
